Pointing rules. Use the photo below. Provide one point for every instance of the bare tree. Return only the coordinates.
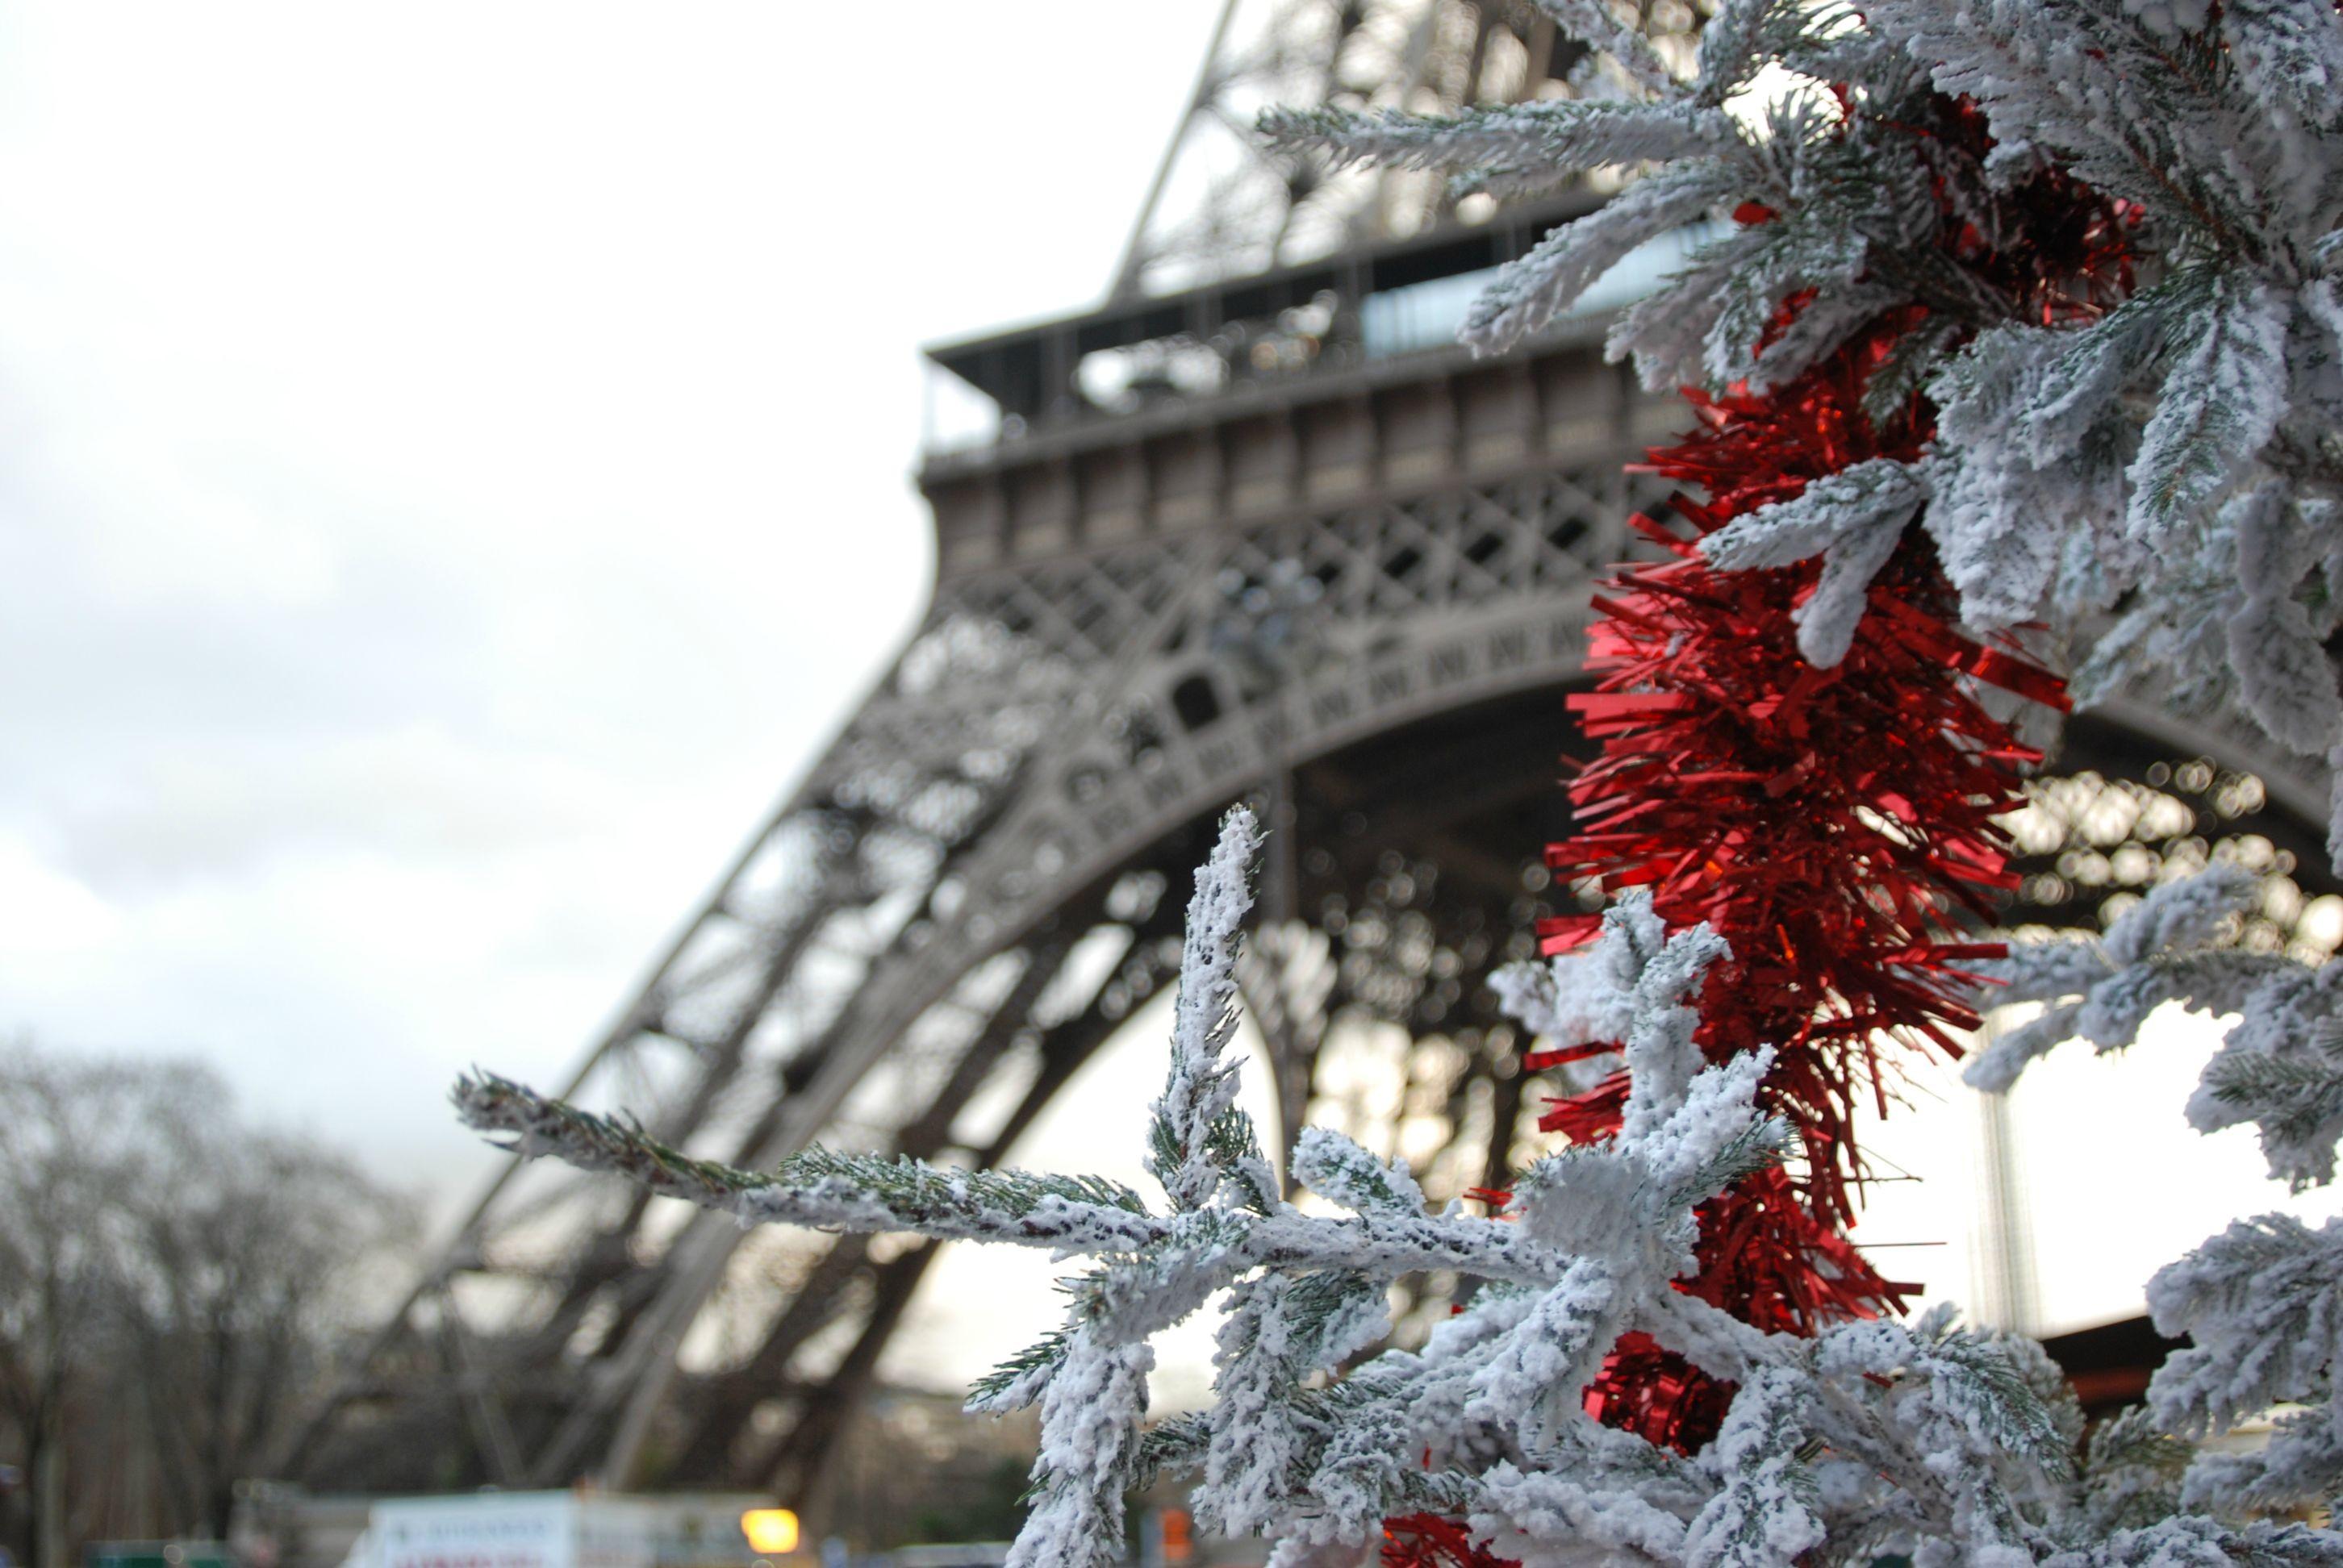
(173, 1280)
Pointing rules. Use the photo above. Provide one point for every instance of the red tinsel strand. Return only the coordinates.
(1830, 824)
(1430, 1541)
(1827, 823)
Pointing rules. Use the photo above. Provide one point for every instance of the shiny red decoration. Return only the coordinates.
(1836, 825)
(1430, 1541)
(1831, 824)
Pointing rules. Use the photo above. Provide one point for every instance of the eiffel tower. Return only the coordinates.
(1254, 528)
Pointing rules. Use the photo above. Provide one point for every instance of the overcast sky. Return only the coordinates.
(456, 473)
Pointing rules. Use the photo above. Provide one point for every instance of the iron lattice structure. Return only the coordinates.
(1268, 535)
(1219, 207)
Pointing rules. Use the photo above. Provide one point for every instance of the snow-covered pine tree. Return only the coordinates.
(1869, 1438)
(2157, 482)
(1939, 243)
(1961, 199)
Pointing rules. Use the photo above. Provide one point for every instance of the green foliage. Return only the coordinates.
(913, 1186)
(2292, 1097)
(1018, 1381)
(1982, 1378)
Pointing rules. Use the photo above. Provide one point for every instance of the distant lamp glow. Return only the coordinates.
(771, 1531)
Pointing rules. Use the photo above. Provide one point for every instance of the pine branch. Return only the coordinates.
(2292, 1099)
(2263, 1304)
(1532, 291)
(2217, 410)
(856, 1193)
(876, 1194)
(1198, 1136)
(1855, 519)
(1552, 133)
(2126, 112)
(1760, 1518)
(1592, 24)
(1757, 1143)
(538, 1126)
(2165, 948)
(1980, 1379)
(1332, 1166)
(1018, 1381)
(2131, 1474)
(1174, 1443)
(2290, 52)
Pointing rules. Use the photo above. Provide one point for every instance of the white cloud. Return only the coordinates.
(457, 474)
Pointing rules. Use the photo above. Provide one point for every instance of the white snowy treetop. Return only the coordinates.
(1951, 1446)
(2159, 484)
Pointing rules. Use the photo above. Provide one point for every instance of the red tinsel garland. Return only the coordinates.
(1825, 822)
(1831, 824)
